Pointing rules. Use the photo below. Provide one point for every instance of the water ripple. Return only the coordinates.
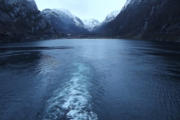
(73, 101)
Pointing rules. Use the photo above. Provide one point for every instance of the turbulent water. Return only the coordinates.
(73, 100)
(90, 79)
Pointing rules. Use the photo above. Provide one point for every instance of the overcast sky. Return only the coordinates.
(85, 9)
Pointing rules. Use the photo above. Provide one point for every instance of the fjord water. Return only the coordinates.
(90, 79)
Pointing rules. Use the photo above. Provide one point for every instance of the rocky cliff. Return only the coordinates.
(146, 19)
(21, 20)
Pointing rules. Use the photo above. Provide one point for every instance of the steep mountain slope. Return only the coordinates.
(141, 19)
(111, 16)
(21, 20)
(63, 21)
(146, 19)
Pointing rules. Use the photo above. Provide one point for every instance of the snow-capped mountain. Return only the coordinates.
(111, 16)
(63, 21)
(91, 24)
(128, 2)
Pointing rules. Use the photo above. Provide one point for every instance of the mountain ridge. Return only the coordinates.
(20, 20)
(146, 19)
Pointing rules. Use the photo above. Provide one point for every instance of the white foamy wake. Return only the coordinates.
(73, 101)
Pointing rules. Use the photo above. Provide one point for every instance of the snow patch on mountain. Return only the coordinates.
(75, 19)
(64, 14)
(111, 16)
(64, 21)
(131, 2)
(91, 24)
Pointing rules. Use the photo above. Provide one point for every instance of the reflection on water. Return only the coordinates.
(90, 80)
(19, 59)
(33, 48)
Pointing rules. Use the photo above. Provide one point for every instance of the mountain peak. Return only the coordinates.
(91, 24)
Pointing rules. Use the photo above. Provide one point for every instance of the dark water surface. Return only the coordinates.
(88, 79)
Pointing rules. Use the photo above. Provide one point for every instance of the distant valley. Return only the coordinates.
(20, 20)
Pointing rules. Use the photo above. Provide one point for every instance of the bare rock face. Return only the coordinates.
(21, 20)
(146, 19)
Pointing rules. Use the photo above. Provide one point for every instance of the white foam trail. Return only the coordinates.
(73, 101)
